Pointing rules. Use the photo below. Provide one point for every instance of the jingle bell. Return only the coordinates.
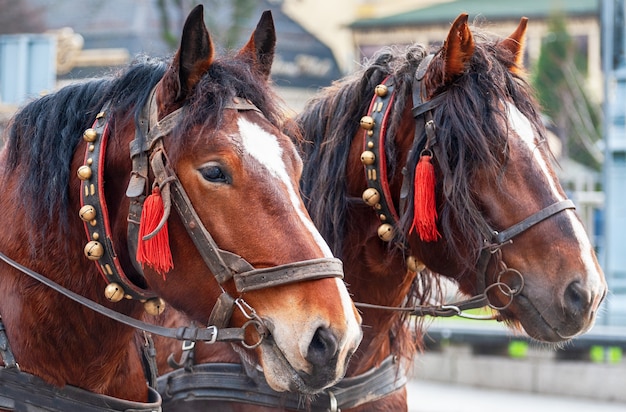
(114, 292)
(87, 213)
(371, 196)
(385, 232)
(381, 90)
(367, 122)
(90, 135)
(84, 172)
(154, 306)
(414, 265)
(368, 158)
(94, 250)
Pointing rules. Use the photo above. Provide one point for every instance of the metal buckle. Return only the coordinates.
(213, 336)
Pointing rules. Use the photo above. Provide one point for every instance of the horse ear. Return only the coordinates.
(194, 56)
(458, 49)
(260, 48)
(515, 44)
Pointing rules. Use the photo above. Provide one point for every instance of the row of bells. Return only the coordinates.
(371, 196)
(94, 250)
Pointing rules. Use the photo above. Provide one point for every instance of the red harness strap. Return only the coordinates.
(378, 194)
(95, 214)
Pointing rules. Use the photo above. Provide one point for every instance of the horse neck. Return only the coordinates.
(375, 272)
(52, 337)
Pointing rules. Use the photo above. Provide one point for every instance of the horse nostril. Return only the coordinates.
(577, 299)
(323, 347)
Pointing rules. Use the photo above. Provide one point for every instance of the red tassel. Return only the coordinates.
(155, 251)
(424, 204)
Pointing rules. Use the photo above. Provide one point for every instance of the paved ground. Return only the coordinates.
(429, 396)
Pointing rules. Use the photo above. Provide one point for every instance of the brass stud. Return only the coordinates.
(382, 217)
(236, 100)
(91, 148)
(371, 196)
(370, 133)
(100, 115)
(89, 161)
(90, 135)
(368, 158)
(381, 90)
(87, 213)
(84, 172)
(114, 292)
(367, 122)
(385, 232)
(370, 145)
(154, 306)
(93, 223)
(94, 250)
(95, 235)
(414, 265)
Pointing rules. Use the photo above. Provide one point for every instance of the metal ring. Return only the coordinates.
(510, 294)
(513, 291)
(260, 329)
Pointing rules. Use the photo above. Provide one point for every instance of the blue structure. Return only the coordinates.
(614, 63)
(27, 66)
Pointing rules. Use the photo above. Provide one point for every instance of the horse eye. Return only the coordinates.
(214, 174)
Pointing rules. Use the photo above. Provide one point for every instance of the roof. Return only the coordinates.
(492, 10)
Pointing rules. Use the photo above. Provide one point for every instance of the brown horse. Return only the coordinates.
(433, 162)
(204, 133)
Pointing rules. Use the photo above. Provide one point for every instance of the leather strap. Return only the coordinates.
(22, 391)
(5, 350)
(192, 333)
(205, 384)
(98, 230)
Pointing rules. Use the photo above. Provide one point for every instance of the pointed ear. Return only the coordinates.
(458, 49)
(260, 48)
(515, 44)
(193, 58)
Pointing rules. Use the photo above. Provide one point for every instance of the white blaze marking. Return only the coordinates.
(522, 127)
(264, 147)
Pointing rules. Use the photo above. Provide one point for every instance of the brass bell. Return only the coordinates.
(381, 90)
(368, 158)
(371, 196)
(114, 292)
(385, 232)
(84, 172)
(154, 306)
(87, 213)
(367, 122)
(90, 135)
(94, 250)
(414, 265)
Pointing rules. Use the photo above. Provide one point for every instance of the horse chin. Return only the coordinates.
(281, 375)
(539, 325)
(275, 370)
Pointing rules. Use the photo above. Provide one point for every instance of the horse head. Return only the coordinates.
(504, 225)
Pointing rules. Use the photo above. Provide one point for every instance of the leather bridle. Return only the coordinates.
(378, 195)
